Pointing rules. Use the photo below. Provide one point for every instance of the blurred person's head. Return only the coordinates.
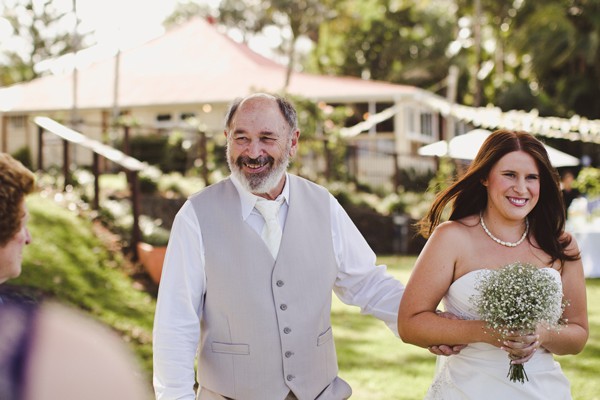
(16, 182)
(567, 179)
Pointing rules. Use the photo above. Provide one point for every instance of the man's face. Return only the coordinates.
(259, 146)
(11, 254)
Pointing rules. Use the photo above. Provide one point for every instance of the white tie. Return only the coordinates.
(271, 232)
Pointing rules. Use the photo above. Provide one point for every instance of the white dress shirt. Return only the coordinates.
(179, 307)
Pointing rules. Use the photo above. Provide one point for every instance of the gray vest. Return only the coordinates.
(266, 325)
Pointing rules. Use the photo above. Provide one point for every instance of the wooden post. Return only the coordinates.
(126, 145)
(66, 162)
(396, 171)
(40, 156)
(4, 133)
(203, 154)
(96, 168)
(352, 161)
(136, 235)
(328, 159)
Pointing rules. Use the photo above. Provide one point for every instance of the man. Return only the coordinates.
(258, 315)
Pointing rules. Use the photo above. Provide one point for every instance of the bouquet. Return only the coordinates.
(516, 298)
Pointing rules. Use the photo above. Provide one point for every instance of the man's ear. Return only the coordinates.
(294, 147)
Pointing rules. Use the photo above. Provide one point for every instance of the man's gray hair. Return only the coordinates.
(285, 106)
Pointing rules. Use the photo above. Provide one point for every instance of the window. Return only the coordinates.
(186, 115)
(17, 121)
(163, 118)
(427, 124)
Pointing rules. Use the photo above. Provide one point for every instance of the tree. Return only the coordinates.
(535, 54)
(399, 41)
(560, 40)
(186, 11)
(298, 17)
(40, 31)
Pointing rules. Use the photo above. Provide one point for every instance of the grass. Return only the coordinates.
(69, 262)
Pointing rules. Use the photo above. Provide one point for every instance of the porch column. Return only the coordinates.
(4, 133)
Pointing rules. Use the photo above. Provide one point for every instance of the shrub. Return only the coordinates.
(23, 155)
(588, 181)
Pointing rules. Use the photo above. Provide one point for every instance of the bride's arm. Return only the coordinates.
(431, 277)
(572, 338)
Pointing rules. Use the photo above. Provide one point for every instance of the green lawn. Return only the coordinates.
(68, 261)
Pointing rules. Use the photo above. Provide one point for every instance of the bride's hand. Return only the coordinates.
(521, 348)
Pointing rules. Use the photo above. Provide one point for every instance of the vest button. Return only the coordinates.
(286, 330)
(288, 354)
(290, 377)
(280, 283)
(283, 307)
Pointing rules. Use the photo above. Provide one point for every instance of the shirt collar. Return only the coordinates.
(248, 200)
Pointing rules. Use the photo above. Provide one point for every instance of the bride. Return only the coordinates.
(506, 208)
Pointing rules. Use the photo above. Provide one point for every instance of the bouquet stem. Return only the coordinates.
(517, 373)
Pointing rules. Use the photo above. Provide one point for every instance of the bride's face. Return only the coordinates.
(513, 185)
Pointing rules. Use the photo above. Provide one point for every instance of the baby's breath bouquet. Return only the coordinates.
(516, 298)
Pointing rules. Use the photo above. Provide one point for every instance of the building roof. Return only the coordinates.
(193, 63)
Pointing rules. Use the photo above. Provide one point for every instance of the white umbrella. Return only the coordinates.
(465, 147)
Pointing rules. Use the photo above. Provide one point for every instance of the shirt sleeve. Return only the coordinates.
(360, 281)
(179, 309)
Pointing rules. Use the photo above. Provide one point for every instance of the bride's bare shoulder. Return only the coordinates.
(463, 226)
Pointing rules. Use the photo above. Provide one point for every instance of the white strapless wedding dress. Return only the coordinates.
(479, 371)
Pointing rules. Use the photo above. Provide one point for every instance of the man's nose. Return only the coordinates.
(254, 149)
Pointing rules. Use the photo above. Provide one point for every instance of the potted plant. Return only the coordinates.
(152, 249)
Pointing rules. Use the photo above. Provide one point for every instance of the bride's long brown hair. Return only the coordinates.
(468, 195)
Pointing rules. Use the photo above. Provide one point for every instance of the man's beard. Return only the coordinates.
(262, 182)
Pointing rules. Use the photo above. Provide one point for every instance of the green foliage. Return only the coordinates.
(412, 180)
(175, 156)
(588, 181)
(399, 41)
(148, 148)
(24, 156)
(320, 125)
(444, 176)
(177, 185)
(152, 231)
(164, 151)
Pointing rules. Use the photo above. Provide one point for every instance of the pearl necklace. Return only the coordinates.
(502, 242)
